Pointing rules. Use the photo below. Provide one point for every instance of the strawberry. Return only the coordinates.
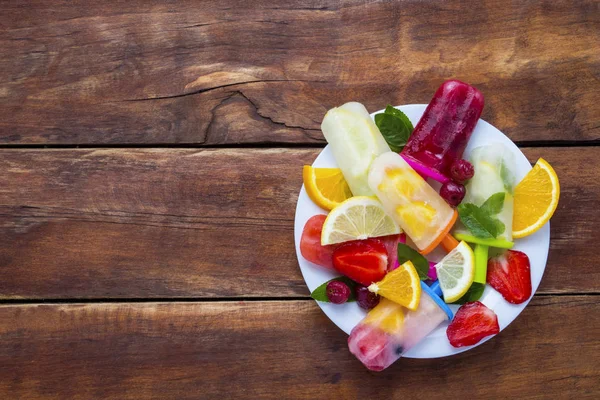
(310, 243)
(473, 321)
(363, 261)
(509, 273)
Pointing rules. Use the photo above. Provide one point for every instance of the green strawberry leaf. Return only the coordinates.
(473, 294)
(479, 222)
(407, 253)
(494, 204)
(320, 293)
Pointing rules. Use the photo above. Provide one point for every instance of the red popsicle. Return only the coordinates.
(443, 131)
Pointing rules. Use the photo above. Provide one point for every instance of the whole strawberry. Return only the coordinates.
(510, 274)
(473, 321)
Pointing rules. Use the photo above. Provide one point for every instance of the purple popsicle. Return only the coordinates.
(443, 131)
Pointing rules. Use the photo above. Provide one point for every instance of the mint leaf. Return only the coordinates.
(320, 293)
(494, 204)
(478, 222)
(395, 127)
(473, 294)
(500, 227)
(407, 253)
(397, 113)
(507, 178)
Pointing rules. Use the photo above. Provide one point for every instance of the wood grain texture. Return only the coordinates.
(231, 72)
(274, 350)
(130, 223)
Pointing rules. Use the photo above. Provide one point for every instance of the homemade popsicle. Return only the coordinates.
(494, 165)
(355, 141)
(390, 330)
(407, 197)
(443, 131)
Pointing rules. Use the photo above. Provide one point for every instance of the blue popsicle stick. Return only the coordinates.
(435, 292)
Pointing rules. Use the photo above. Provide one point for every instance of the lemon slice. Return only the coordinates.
(401, 286)
(536, 199)
(325, 186)
(357, 218)
(456, 272)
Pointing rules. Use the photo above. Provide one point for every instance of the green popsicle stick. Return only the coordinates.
(499, 243)
(481, 259)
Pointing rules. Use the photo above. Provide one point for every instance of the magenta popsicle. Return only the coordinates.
(443, 131)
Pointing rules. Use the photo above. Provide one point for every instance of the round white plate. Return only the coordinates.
(348, 315)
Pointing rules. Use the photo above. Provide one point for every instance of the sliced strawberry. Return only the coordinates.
(310, 243)
(472, 322)
(363, 261)
(510, 274)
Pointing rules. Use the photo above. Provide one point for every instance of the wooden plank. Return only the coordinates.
(230, 72)
(274, 350)
(210, 223)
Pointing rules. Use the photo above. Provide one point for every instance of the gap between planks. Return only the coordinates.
(208, 300)
(523, 144)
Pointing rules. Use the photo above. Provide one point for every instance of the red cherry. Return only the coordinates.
(461, 170)
(337, 292)
(453, 193)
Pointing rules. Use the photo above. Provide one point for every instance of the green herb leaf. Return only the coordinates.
(407, 253)
(397, 113)
(320, 293)
(494, 204)
(473, 294)
(478, 222)
(500, 227)
(507, 178)
(395, 127)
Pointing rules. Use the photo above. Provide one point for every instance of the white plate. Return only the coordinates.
(348, 315)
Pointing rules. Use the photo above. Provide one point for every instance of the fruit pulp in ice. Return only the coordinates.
(390, 330)
(410, 200)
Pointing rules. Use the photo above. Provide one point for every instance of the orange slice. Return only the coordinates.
(325, 186)
(536, 199)
(401, 286)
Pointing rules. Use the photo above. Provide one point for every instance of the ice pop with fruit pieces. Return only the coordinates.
(390, 330)
(355, 141)
(415, 206)
(494, 164)
(440, 137)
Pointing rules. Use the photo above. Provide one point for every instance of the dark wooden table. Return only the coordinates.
(150, 163)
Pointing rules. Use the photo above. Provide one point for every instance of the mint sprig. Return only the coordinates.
(395, 127)
(320, 293)
(407, 253)
(481, 221)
